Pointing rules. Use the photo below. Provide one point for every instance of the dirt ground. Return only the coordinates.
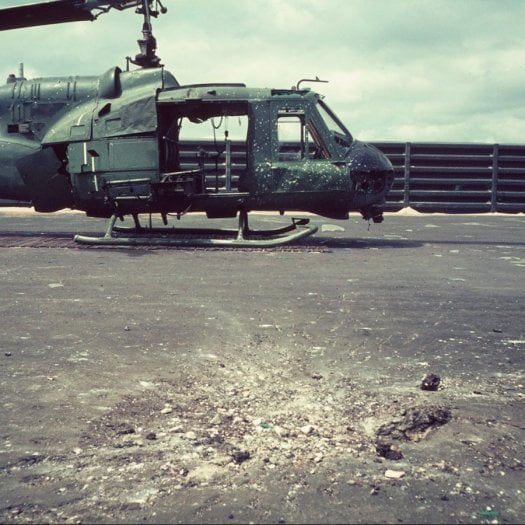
(265, 385)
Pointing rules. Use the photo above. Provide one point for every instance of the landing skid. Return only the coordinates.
(241, 237)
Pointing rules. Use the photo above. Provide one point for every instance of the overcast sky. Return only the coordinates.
(398, 70)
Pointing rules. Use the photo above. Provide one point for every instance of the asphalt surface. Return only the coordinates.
(258, 385)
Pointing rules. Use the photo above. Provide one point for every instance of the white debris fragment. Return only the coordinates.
(307, 429)
(394, 474)
(332, 228)
(318, 457)
(147, 385)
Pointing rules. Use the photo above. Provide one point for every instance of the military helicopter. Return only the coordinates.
(134, 141)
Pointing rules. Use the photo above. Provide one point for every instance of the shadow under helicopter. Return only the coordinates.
(60, 239)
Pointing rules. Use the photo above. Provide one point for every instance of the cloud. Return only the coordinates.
(440, 70)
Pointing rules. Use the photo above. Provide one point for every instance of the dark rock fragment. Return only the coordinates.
(388, 451)
(415, 423)
(240, 456)
(430, 382)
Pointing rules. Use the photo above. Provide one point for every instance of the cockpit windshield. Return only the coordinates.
(341, 135)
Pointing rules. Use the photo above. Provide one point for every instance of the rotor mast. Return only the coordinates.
(147, 58)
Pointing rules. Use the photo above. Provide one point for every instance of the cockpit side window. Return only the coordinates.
(298, 137)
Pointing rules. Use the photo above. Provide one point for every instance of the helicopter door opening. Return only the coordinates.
(206, 145)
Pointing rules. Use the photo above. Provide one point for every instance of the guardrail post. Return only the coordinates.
(495, 169)
(406, 193)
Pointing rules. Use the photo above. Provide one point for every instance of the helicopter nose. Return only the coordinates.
(372, 175)
(365, 158)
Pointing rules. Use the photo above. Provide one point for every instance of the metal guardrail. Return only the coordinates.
(428, 177)
(456, 178)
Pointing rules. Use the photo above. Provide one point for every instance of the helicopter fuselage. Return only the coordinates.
(131, 142)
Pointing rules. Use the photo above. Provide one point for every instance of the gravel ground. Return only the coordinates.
(268, 385)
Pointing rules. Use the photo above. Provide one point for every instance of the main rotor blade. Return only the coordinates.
(55, 12)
